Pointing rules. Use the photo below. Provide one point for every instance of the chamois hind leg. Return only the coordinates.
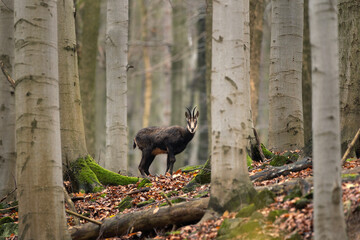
(144, 159)
(148, 163)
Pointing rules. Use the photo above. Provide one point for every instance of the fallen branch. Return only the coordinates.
(121, 224)
(273, 172)
(71, 205)
(351, 145)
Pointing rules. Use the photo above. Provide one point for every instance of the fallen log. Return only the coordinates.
(273, 172)
(121, 224)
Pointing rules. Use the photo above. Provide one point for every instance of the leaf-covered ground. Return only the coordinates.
(164, 189)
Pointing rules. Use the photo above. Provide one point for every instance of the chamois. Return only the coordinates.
(164, 140)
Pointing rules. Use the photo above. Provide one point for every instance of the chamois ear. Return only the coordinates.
(197, 114)
(187, 115)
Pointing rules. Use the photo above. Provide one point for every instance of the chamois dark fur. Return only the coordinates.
(164, 140)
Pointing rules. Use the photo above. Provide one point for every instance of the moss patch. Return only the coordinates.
(278, 160)
(144, 203)
(350, 176)
(246, 211)
(7, 229)
(275, 214)
(268, 154)
(125, 203)
(191, 168)
(6, 220)
(203, 177)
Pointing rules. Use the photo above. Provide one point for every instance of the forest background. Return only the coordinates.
(168, 70)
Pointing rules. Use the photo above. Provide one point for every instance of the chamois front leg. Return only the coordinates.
(170, 160)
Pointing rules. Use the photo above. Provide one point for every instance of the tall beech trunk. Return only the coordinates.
(116, 85)
(286, 131)
(71, 118)
(7, 102)
(328, 208)
(230, 106)
(38, 143)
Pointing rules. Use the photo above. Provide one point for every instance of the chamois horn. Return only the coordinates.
(193, 111)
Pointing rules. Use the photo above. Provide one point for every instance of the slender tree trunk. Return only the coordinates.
(147, 65)
(262, 123)
(100, 90)
(116, 85)
(328, 208)
(306, 76)
(256, 31)
(349, 40)
(38, 144)
(178, 64)
(87, 65)
(7, 102)
(286, 131)
(71, 118)
(135, 83)
(208, 29)
(160, 56)
(230, 106)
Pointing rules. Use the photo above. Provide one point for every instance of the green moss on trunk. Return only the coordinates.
(86, 175)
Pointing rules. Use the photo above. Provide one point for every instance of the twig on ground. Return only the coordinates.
(351, 145)
(83, 217)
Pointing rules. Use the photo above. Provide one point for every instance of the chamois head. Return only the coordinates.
(191, 119)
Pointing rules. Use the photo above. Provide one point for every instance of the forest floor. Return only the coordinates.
(294, 221)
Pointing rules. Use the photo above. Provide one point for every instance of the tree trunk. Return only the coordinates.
(147, 64)
(208, 49)
(349, 39)
(87, 65)
(286, 131)
(306, 76)
(161, 72)
(256, 31)
(100, 89)
(262, 123)
(38, 144)
(230, 106)
(135, 83)
(178, 65)
(116, 85)
(71, 119)
(328, 208)
(7, 102)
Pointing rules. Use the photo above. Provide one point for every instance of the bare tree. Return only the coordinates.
(7, 101)
(328, 208)
(73, 143)
(230, 106)
(38, 144)
(116, 85)
(286, 131)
